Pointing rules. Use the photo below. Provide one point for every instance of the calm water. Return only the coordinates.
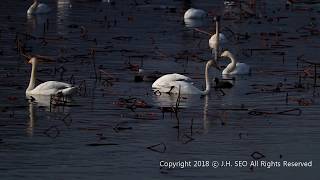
(98, 137)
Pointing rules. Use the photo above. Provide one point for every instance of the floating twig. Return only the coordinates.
(155, 148)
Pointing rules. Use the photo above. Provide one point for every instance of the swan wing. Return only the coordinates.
(165, 80)
(184, 88)
(178, 77)
(51, 87)
(194, 14)
(212, 40)
(174, 83)
(242, 68)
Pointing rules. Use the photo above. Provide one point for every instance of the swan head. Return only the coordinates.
(229, 55)
(226, 54)
(33, 60)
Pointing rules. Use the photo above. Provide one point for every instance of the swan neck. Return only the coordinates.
(205, 92)
(217, 41)
(233, 60)
(233, 63)
(33, 7)
(32, 82)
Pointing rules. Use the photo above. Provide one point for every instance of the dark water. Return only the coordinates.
(97, 137)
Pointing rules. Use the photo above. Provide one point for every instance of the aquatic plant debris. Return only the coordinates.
(257, 155)
(160, 148)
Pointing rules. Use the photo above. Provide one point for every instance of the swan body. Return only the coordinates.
(177, 83)
(52, 88)
(47, 88)
(213, 40)
(38, 8)
(170, 84)
(193, 13)
(235, 67)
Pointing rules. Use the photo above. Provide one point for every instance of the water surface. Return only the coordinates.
(98, 137)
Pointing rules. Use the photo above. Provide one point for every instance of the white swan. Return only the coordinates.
(234, 67)
(175, 83)
(49, 87)
(193, 13)
(213, 43)
(38, 8)
(213, 39)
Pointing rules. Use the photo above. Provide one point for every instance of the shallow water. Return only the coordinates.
(97, 137)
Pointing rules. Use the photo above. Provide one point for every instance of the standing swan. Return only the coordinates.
(193, 13)
(177, 83)
(49, 87)
(234, 67)
(38, 8)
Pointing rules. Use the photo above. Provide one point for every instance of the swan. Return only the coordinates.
(234, 67)
(49, 87)
(177, 83)
(213, 39)
(193, 13)
(38, 8)
(213, 43)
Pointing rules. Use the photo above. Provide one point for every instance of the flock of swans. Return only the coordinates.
(169, 83)
(177, 83)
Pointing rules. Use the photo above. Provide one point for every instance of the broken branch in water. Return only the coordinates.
(160, 148)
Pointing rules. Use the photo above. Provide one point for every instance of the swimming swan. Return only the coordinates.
(234, 67)
(49, 87)
(193, 13)
(175, 83)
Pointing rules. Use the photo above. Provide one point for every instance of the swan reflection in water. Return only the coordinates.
(51, 104)
(186, 102)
